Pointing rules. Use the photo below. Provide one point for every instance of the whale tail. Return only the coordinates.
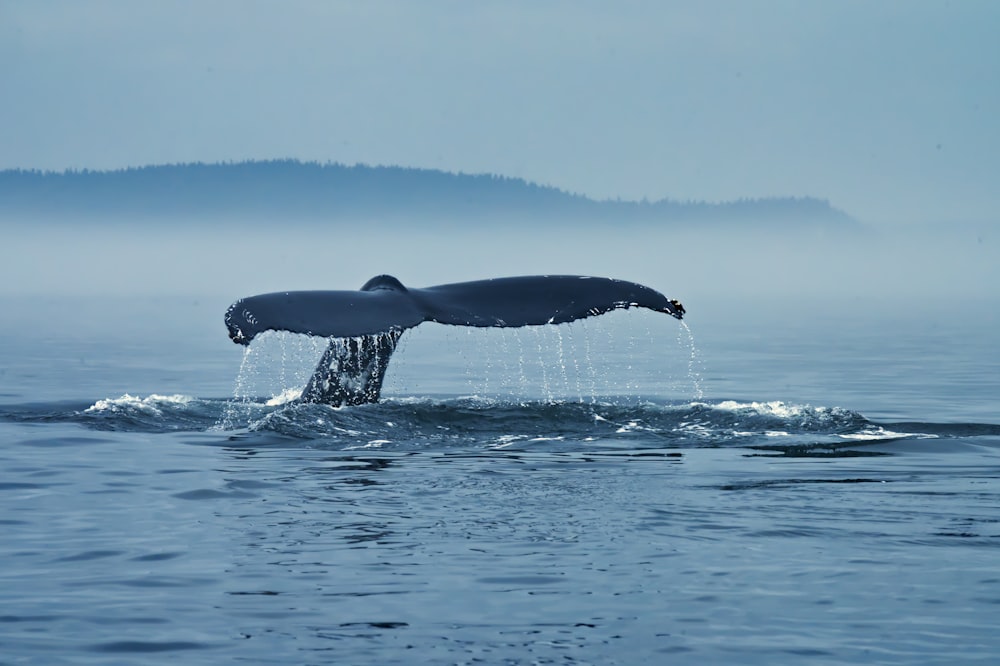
(364, 326)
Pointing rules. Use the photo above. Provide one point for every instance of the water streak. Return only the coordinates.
(694, 365)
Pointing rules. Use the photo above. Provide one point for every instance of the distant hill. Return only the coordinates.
(289, 189)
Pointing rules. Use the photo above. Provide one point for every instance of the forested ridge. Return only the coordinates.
(330, 191)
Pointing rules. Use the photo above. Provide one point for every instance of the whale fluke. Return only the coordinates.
(365, 325)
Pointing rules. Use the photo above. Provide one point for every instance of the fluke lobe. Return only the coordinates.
(364, 326)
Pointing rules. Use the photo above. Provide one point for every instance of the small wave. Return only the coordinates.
(735, 420)
(154, 413)
(152, 404)
(127, 413)
(434, 423)
(471, 420)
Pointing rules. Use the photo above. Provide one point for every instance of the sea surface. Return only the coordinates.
(802, 485)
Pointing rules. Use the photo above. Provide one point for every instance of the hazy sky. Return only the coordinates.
(889, 109)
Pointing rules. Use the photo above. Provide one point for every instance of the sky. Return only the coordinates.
(889, 109)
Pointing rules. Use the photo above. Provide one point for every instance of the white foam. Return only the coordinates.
(772, 408)
(285, 397)
(373, 444)
(628, 427)
(503, 441)
(882, 433)
(151, 403)
(697, 429)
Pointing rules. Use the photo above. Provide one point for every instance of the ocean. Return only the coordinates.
(806, 482)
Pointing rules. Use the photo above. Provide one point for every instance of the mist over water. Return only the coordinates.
(882, 265)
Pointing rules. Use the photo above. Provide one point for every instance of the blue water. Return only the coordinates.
(800, 486)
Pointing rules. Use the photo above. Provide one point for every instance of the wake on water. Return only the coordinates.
(572, 413)
(414, 424)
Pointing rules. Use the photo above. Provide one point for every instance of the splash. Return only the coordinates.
(274, 367)
(285, 397)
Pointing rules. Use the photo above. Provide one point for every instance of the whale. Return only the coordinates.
(364, 326)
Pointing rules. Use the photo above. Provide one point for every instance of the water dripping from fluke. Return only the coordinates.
(694, 365)
(587, 361)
